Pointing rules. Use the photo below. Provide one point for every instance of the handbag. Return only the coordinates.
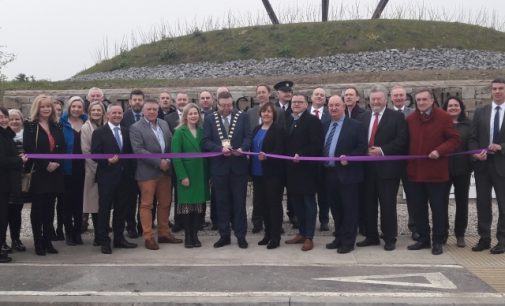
(26, 178)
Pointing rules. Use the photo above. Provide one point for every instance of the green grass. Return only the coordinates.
(306, 40)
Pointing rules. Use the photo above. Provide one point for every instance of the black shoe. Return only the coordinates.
(4, 258)
(203, 225)
(256, 229)
(437, 249)
(132, 233)
(498, 249)
(78, 239)
(389, 245)
(368, 242)
(222, 242)
(177, 228)
(50, 249)
(70, 241)
(59, 235)
(418, 246)
(18, 245)
(482, 245)
(105, 248)
(324, 227)
(242, 243)
(214, 227)
(335, 244)
(264, 241)
(415, 236)
(460, 241)
(273, 244)
(96, 243)
(6, 249)
(196, 241)
(124, 244)
(344, 249)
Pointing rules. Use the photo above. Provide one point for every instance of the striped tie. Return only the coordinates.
(327, 144)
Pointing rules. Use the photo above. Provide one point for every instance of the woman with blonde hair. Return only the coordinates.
(192, 176)
(43, 134)
(97, 118)
(72, 120)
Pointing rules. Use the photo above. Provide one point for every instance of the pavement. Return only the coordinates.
(81, 275)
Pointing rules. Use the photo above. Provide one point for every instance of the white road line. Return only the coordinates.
(460, 295)
(259, 264)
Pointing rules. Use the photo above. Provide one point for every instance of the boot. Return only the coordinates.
(4, 258)
(188, 235)
(39, 247)
(78, 238)
(196, 222)
(69, 238)
(94, 218)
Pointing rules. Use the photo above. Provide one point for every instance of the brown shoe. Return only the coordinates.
(151, 245)
(169, 239)
(307, 245)
(297, 239)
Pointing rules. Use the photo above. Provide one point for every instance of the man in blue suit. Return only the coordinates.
(343, 137)
(228, 131)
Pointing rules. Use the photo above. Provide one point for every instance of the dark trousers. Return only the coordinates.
(461, 185)
(306, 211)
(4, 201)
(381, 192)
(269, 192)
(257, 211)
(322, 201)
(484, 181)
(410, 206)
(112, 195)
(231, 191)
(213, 213)
(72, 204)
(59, 212)
(343, 200)
(436, 195)
(132, 211)
(42, 219)
(14, 219)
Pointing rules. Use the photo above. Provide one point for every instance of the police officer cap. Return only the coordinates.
(284, 86)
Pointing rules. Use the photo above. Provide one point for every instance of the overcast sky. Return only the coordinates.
(55, 39)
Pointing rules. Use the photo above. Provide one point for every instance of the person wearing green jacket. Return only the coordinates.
(192, 174)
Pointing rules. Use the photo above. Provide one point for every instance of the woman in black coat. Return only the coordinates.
(268, 173)
(44, 135)
(460, 168)
(11, 166)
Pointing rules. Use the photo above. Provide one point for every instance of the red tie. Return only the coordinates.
(374, 130)
(316, 112)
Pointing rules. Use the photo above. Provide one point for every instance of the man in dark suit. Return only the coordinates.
(399, 101)
(263, 92)
(343, 137)
(319, 109)
(305, 138)
(488, 131)
(387, 135)
(114, 176)
(132, 115)
(227, 131)
(166, 106)
(351, 99)
(173, 120)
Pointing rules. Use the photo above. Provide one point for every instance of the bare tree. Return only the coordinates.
(5, 58)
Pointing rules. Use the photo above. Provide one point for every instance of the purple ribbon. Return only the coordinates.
(216, 154)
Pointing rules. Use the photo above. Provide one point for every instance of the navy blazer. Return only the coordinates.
(225, 165)
(103, 141)
(392, 137)
(128, 118)
(352, 141)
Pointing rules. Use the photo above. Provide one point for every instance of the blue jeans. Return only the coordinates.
(306, 211)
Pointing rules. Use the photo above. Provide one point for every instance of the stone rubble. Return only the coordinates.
(388, 60)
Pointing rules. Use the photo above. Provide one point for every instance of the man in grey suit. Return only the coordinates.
(152, 135)
(399, 99)
(263, 92)
(488, 133)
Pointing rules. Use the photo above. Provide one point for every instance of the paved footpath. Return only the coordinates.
(173, 274)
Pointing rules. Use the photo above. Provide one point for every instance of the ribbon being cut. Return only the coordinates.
(216, 154)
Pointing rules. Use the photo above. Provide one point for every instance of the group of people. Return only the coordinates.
(367, 151)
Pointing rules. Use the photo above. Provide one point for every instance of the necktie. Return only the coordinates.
(118, 138)
(327, 144)
(374, 130)
(400, 110)
(496, 125)
(226, 124)
(316, 112)
(284, 107)
(137, 117)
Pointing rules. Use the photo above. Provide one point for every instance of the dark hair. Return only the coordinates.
(462, 116)
(224, 95)
(136, 92)
(271, 106)
(4, 111)
(264, 85)
(498, 80)
(353, 88)
(424, 90)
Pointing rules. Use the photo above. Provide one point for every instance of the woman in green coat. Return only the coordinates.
(192, 176)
